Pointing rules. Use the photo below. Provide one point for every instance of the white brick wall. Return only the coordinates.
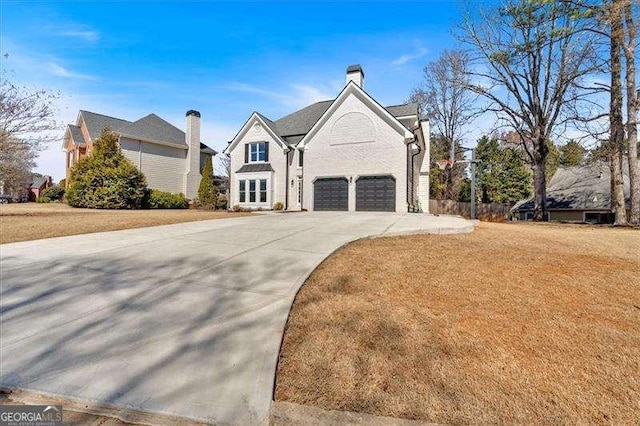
(277, 159)
(337, 150)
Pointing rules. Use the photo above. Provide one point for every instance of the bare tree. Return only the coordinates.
(25, 114)
(616, 126)
(527, 61)
(26, 119)
(444, 98)
(629, 48)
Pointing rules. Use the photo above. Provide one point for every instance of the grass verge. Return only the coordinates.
(513, 323)
(30, 221)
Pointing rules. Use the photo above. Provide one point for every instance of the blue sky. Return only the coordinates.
(224, 59)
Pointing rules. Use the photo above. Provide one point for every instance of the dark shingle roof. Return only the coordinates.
(301, 121)
(76, 135)
(96, 122)
(294, 126)
(205, 148)
(403, 110)
(38, 181)
(260, 167)
(154, 128)
(580, 188)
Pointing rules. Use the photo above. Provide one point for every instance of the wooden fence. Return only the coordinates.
(492, 212)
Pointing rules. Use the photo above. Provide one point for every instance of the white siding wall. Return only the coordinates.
(163, 166)
(354, 142)
(277, 159)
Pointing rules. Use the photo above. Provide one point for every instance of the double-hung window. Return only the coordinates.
(263, 190)
(243, 192)
(252, 191)
(257, 152)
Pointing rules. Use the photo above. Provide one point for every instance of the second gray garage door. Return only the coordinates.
(376, 194)
(331, 194)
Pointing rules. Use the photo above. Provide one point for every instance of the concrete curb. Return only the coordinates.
(287, 413)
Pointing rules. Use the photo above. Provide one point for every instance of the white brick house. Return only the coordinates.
(349, 153)
(170, 159)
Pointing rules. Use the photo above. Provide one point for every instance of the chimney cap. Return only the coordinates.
(355, 68)
(193, 112)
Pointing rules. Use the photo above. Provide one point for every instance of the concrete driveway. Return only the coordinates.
(181, 320)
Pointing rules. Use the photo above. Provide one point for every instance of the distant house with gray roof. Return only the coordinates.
(171, 159)
(345, 154)
(578, 194)
(38, 184)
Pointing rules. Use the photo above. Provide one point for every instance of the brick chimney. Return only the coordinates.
(192, 138)
(355, 74)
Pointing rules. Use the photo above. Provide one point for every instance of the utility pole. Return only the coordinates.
(473, 183)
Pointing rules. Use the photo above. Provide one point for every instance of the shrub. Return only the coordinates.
(221, 203)
(238, 208)
(43, 199)
(157, 199)
(62, 183)
(54, 193)
(278, 205)
(207, 191)
(106, 179)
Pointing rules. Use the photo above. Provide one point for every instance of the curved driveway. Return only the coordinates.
(182, 320)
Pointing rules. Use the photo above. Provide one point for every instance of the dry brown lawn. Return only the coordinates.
(513, 323)
(30, 221)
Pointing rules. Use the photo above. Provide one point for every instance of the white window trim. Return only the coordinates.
(300, 152)
(257, 143)
(268, 176)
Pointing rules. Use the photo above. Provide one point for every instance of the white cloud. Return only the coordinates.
(86, 35)
(403, 59)
(60, 71)
(296, 95)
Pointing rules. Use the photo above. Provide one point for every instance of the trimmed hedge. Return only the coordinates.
(53, 193)
(157, 199)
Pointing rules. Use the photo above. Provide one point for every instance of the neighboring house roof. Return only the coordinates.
(96, 122)
(260, 167)
(38, 181)
(150, 128)
(580, 188)
(76, 135)
(154, 128)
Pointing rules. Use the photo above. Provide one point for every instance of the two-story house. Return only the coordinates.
(345, 154)
(171, 160)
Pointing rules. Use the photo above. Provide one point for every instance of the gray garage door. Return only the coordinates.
(376, 194)
(331, 194)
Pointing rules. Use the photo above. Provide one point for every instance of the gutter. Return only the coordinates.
(412, 207)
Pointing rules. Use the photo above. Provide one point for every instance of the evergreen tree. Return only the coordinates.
(502, 173)
(207, 191)
(105, 179)
(572, 154)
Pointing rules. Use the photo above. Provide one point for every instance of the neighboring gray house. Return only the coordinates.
(578, 194)
(171, 159)
(349, 153)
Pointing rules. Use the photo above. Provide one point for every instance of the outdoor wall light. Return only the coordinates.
(350, 179)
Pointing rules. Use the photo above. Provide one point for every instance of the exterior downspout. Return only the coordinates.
(286, 182)
(413, 157)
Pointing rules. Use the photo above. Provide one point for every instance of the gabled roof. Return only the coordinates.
(76, 135)
(293, 128)
(150, 128)
(96, 122)
(353, 89)
(268, 124)
(38, 181)
(154, 128)
(585, 187)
